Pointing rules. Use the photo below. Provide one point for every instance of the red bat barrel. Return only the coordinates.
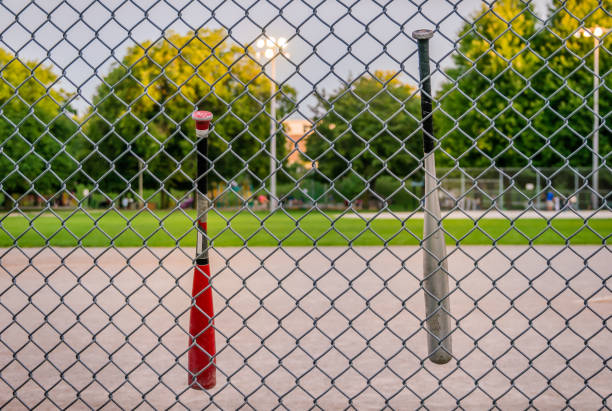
(202, 350)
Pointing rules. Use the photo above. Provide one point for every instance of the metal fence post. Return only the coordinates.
(501, 190)
(538, 188)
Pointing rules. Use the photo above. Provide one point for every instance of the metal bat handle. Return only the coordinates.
(435, 264)
(202, 349)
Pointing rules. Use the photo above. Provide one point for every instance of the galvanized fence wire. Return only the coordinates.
(98, 184)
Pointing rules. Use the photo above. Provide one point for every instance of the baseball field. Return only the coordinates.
(160, 228)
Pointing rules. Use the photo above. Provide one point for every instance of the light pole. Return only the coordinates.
(596, 33)
(271, 47)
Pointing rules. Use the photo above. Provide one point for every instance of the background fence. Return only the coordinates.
(317, 188)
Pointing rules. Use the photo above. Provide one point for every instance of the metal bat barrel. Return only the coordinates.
(202, 350)
(435, 265)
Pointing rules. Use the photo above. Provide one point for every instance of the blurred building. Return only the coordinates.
(297, 131)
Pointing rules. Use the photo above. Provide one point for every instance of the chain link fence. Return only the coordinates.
(316, 188)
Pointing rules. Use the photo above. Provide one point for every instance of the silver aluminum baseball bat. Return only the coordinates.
(435, 265)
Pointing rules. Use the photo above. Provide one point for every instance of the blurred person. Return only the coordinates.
(550, 201)
(262, 199)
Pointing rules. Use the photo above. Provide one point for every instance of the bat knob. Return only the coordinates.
(422, 34)
(202, 119)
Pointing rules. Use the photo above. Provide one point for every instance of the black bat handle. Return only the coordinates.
(423, 36)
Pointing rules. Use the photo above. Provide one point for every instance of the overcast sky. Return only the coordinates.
(82, 38)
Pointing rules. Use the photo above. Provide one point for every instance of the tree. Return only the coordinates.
(484, 109)
(142, 111)
(367, 129)
(521, 92)
(566, 82)
(35, 127)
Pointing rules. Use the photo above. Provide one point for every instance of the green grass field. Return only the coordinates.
(163, 228)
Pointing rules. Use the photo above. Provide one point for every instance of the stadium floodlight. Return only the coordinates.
(269, 48)
(597, 33)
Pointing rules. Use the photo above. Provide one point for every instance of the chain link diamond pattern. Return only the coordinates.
(318, 303)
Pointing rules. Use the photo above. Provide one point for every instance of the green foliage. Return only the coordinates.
(567, 81)
(308, 190)
(520, 92)
(143, 111)
(35, 123)
(386, 186)
(488, 96)
(350, 187)
(367, 127)
(396, 195)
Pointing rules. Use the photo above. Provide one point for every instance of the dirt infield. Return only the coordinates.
(329, 327)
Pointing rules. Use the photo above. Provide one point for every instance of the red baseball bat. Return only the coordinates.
(202, 370)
